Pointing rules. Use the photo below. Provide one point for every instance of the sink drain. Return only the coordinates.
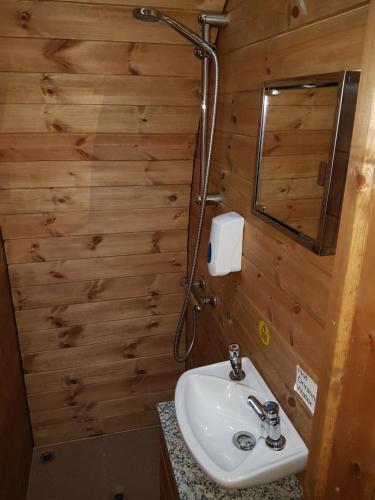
(244, 441)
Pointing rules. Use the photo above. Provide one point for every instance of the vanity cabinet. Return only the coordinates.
(168, 488)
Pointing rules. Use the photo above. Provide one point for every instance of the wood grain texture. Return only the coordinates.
(73, 21)
(20, 201)
(297, 142)
(301, 184)
(313, 49)
(94, 333)
(342, 458)
(84, 223)
(99, 245)
(280, 282)
(290, 117)
(35, 296)
(109, 352)
(92, 147)
(171, 4)
(95, 419)
(294, 188)
(286, 167)
(96, 268)
(111, 310)
(15, 430)
(322, 96)
(302, 111)
(283, 16)
(99, 115)
(59, 88)
(53, 174)
(35, 118)
(108, 58)
(87, 376)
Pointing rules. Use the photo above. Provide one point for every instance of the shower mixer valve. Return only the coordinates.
(201, 301)
(198, 283)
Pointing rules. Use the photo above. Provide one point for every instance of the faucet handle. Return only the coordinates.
(235, 360)
(271, 409)
(268, 411)
(257, 406)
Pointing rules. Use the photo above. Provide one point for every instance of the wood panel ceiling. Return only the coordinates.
(98, 122)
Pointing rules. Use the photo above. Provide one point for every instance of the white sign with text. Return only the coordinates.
(306, 388)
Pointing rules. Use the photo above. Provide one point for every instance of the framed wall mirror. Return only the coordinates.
(303, 151)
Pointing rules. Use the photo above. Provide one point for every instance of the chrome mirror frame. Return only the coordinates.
(347, 82)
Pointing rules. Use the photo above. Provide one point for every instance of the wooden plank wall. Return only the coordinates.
(281, 282)
(15, 431)
(98, 122)
(342, 458)
(289, 188)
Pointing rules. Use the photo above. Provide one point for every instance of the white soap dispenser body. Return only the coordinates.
(224, 252)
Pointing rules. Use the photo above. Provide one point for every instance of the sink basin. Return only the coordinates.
(211, 409)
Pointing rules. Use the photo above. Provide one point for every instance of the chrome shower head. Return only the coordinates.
(152, 16)
(147, 14)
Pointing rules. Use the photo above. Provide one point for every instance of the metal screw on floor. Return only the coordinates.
(119, 496)
(47, 457)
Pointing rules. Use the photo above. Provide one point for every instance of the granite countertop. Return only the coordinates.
(193, 484)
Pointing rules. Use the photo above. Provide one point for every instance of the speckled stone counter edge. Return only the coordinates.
(193, 484)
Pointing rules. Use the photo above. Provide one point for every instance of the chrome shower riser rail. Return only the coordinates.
(206, 51)
(181, 322)
(206, 62)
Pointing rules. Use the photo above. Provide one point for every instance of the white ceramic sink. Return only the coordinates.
(211, 409)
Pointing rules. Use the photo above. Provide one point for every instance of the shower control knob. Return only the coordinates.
(209, 300)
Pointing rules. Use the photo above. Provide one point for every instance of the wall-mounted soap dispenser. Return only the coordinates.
(225, 247)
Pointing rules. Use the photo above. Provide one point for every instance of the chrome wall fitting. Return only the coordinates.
(213, 18)
(236, 362)
(203, 300)
(211, 199)
(198, 283)
(209, 300)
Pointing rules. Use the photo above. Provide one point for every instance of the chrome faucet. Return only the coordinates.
(235, 360)
(269, 414)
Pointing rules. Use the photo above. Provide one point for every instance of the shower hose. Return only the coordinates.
(181, 358)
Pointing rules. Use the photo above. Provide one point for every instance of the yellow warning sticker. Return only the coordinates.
(264, 333)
